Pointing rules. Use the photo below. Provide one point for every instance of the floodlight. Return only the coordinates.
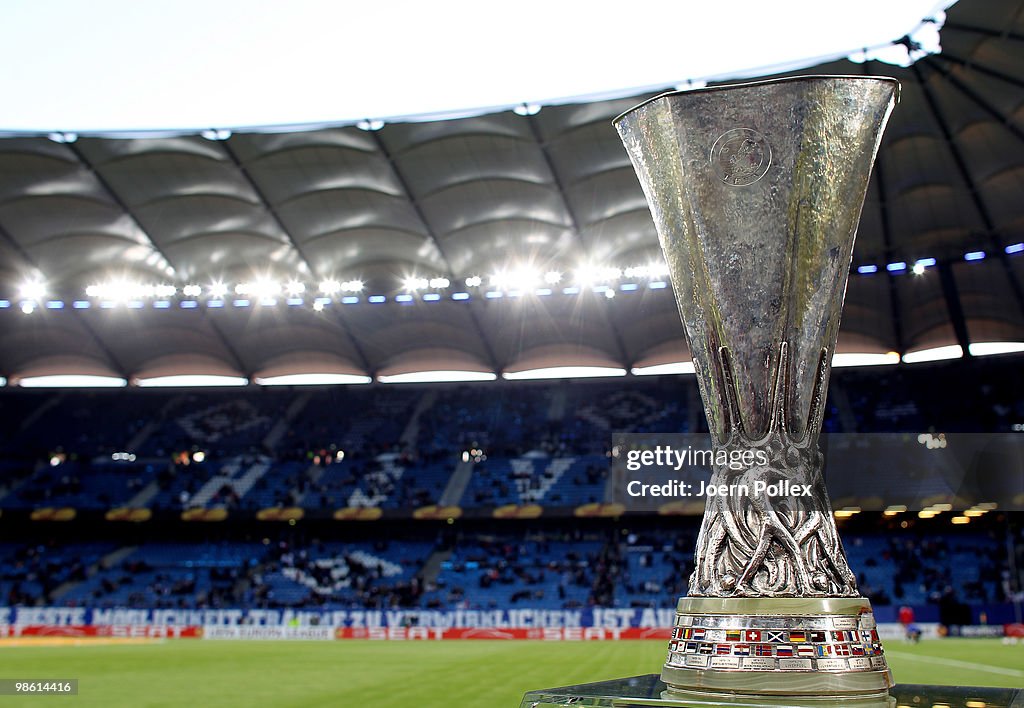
(329, 287)
(32, 290)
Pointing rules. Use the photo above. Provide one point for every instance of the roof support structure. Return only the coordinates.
(267, 206)
(981, 69)
(356, 346)
(978, 99)
(895, 308)
(972, 188)
(954, 306)
(17, 247)
(982, 30)
(116, 198)
(492, 359)
(107, 352)
(112, 359)
(574, 227)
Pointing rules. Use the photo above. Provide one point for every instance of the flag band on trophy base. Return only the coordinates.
(731, 642)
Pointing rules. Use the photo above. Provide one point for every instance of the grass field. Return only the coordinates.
(421, 674)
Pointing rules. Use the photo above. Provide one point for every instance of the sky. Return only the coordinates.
(127, 65)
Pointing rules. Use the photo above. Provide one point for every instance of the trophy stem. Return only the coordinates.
(771, 532)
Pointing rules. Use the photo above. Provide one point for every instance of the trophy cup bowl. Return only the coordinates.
(756, 191)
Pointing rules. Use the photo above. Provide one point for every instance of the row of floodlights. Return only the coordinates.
(119, 291)
(518, 279)
(268, 295)
(919, 266)
(514, 280)
(928, 512)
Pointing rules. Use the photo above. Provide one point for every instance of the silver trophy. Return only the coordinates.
(756, 190)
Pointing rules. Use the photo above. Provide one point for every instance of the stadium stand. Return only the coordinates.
(537, 479)
(334, 575)
(536, 570)
(399, 449)
(477, 568)
(510, 420)
(31, 574)
(82, 484)
(167, 575)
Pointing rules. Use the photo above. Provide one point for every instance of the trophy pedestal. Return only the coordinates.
(648, 690)
(778, 646)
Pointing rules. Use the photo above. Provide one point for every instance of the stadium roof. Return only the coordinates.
(509, 197)
(198, 64)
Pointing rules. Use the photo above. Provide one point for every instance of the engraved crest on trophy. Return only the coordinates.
(741, 156)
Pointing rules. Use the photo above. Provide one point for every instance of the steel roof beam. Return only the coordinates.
(364, 361)
(895, 308)
(954, 306)
(972, 188)
(973, 66)
(979, 100)
(116, 198)
(963, 27)
(574, 227)
(112, 359)
(492, 359)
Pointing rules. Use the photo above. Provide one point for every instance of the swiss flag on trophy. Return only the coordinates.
(752, 635)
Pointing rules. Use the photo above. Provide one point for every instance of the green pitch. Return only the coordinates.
(408, 674)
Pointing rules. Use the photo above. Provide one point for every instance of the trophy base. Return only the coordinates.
(668, 699)
(776, 646)
(649, 692)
